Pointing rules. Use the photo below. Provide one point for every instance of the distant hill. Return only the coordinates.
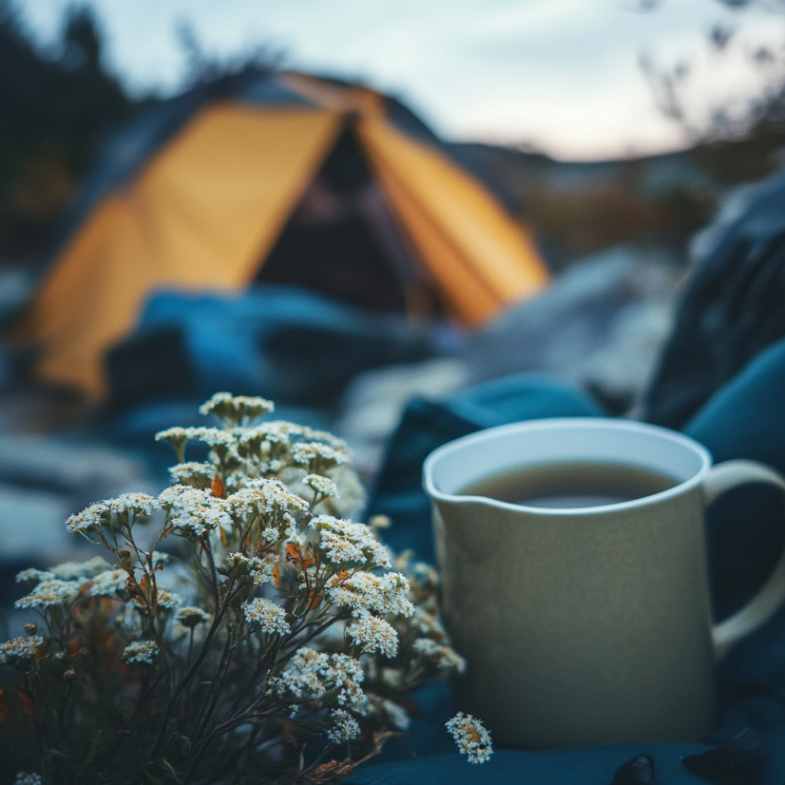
(578, 207)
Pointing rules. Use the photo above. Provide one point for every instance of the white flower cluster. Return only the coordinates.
(49, 593)
(236, 408)
(428, 624)
(192, 616)
(19, 651)
(28, 778)
(323, 575)
(266, 616)
(129, 508)
(92, 518)
(444, 657)
(159, 559)
(386, 594)
(136, 506)
(197, 475)
(396, 715)
(372, 634)
(32, 575)
(344, 727)
(268, 498)
(346, 543)
(176, 436)
(312, 675)
(321, 485)
(111, 583)
(73, 570)
(262, 439)
(140, 653)
(318, 455)
(260, 569)
(471, 737)
(215, 438)
(194, 512)
(167, 600)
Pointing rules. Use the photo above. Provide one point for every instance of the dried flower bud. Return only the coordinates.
(380, 522)
(192, 617)
(124, 557)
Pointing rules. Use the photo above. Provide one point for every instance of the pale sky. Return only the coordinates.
(560, 73)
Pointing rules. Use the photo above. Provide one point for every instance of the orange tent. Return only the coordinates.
(211, 180)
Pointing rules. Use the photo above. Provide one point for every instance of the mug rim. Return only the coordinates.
(556, 423)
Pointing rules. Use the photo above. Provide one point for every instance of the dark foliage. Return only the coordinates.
(56, 107)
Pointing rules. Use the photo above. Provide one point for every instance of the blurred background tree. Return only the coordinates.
(755, 123)
(57, 105)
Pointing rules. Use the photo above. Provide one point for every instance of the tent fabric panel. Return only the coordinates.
(202, 215)
(100, 274)
(271, 91)
(227, 185)
(469, 300)
(482, 237)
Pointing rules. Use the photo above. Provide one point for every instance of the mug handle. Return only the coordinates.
(771, 596)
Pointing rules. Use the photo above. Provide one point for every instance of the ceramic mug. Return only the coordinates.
(590, 625)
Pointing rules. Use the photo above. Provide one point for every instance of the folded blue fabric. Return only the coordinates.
(746, 531)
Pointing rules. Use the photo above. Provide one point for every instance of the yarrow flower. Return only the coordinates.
(72, 570)
(386, 594)
(109, 584)
(236, 408)
(471, 737)
(167, 600)
(192, 617)
(19, 651)
(260, 569)
(140, 653)
(197, 475)
(176, 437)
(28, 778)
(428, 624)
(344, 542)
(267, 498)
(194, 512)
(159, 559)
(132, 507)
(31, 575)
(372, 634)
(310, 675)
(397, 715)
(316, 456)
(215, 438)
(92, 518)
(49, 593)
(344, 727)
(266, 616)
(321, 485)
(443, 657)
(338, 630)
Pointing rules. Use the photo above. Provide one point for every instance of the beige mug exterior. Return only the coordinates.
(591, 625)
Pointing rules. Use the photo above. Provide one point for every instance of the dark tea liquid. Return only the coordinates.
(571, 485)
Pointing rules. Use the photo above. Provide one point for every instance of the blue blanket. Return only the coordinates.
(745, 535)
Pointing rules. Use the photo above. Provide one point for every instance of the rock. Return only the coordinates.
(43, 481)
(600, 325)
(731, 309)
(81, 473)
(373, 404)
